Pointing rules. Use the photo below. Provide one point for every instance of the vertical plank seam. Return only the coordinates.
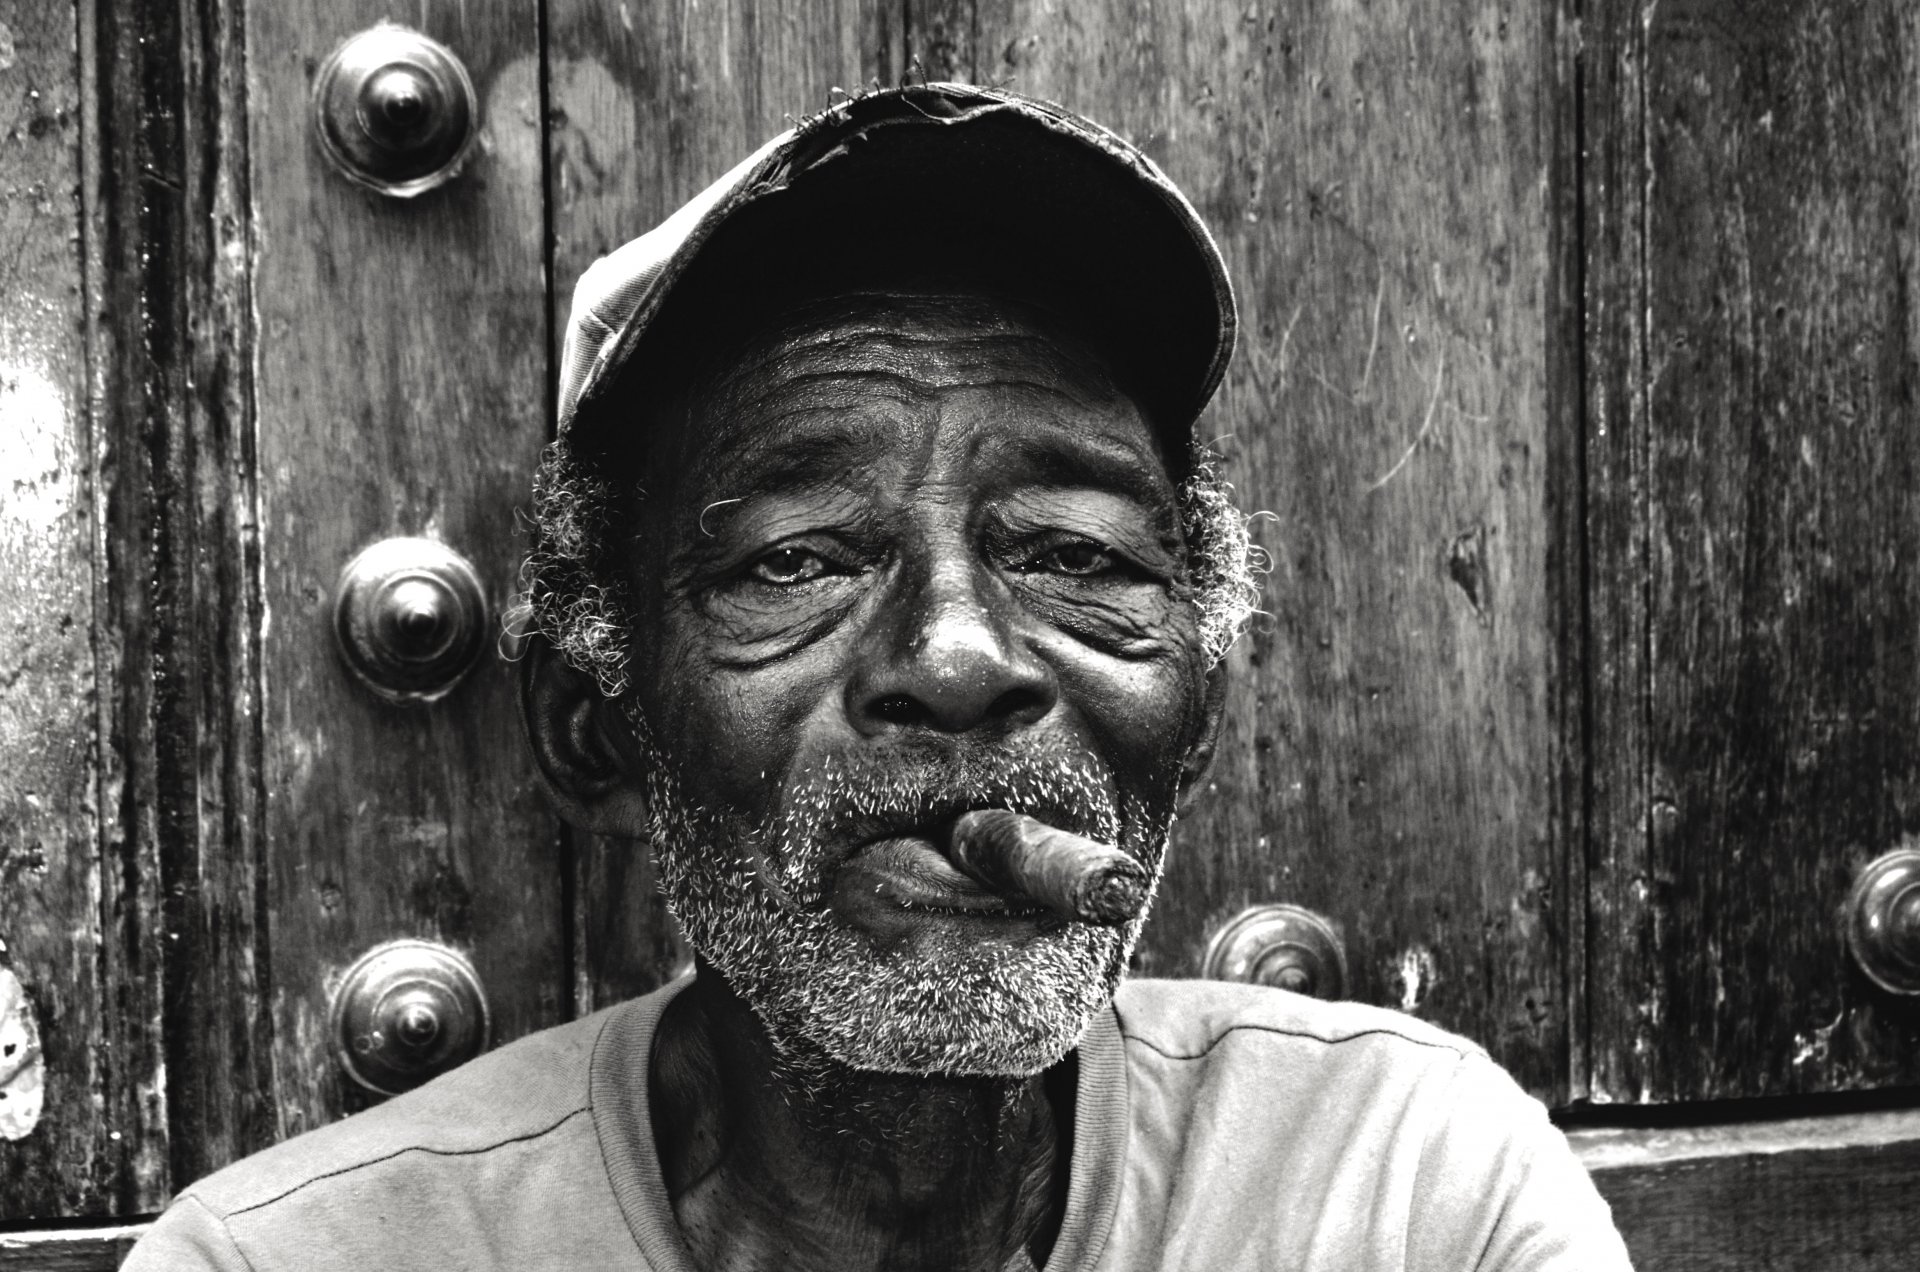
(175, 728)
(575, 985)
(253, 584)
(1580, 846)
(1641, 35)
(138, 896)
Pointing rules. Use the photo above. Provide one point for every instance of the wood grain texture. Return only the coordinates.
(161, 911)
(185, 587)
(401, 383)
(68, 1250)
(1757, 516)
(649, 105)
(1613, 670)
(78, 1156)
(1376, 176)
(1812, 1194)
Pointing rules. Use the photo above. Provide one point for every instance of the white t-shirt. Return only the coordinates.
(1217, 1127)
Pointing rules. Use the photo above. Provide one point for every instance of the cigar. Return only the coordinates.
(1069, 874)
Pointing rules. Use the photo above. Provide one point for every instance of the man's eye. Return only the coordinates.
(1079, 558)
(787, 566)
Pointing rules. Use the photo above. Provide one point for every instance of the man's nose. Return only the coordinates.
(944, 655)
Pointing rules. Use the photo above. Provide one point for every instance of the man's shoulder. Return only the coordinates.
(1191, 1019)
(518, 1093)
(1338, 1135)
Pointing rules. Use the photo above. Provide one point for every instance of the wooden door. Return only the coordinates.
(401, 390)
(210, 817)
(347, 367)
(1575, 369)
(1751, 672)
(1756, 548)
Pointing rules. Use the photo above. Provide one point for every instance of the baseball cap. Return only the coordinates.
(949, 182)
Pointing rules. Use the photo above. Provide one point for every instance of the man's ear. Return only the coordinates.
(582, 743)
(1199, 761)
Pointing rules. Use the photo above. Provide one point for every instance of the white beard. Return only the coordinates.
(750, 898)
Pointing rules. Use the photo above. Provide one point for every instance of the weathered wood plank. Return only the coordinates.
(160, 507)
(1772, 532)
(1613, 234)
(68, 1250)
(1778, 1196)
(188, 593)
(59, 1154)
(178, 609)
(48, 804)
(650, 104)
(1566, 495)
(401, 383)
(1377, 178)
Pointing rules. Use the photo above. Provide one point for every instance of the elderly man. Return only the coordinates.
(881, 584)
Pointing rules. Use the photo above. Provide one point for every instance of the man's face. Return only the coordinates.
(907, 557)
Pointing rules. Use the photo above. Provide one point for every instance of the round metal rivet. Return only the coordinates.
(1883, 921)
(410, 618)
(395, 110)
(1281, 945)
(405, 1013)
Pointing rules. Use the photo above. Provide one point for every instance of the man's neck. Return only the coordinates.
(813, 1165)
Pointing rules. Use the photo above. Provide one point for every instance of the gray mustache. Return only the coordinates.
(850, 799)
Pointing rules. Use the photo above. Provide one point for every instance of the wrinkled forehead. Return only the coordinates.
(870, 373)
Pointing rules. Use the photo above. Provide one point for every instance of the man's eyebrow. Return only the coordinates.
(777, 458)
(1103, 463)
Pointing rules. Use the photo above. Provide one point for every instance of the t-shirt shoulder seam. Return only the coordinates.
(1435, 1043)
(323, 1176)
(220, 1222)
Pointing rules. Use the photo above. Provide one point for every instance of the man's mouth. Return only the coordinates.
(911, 871)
